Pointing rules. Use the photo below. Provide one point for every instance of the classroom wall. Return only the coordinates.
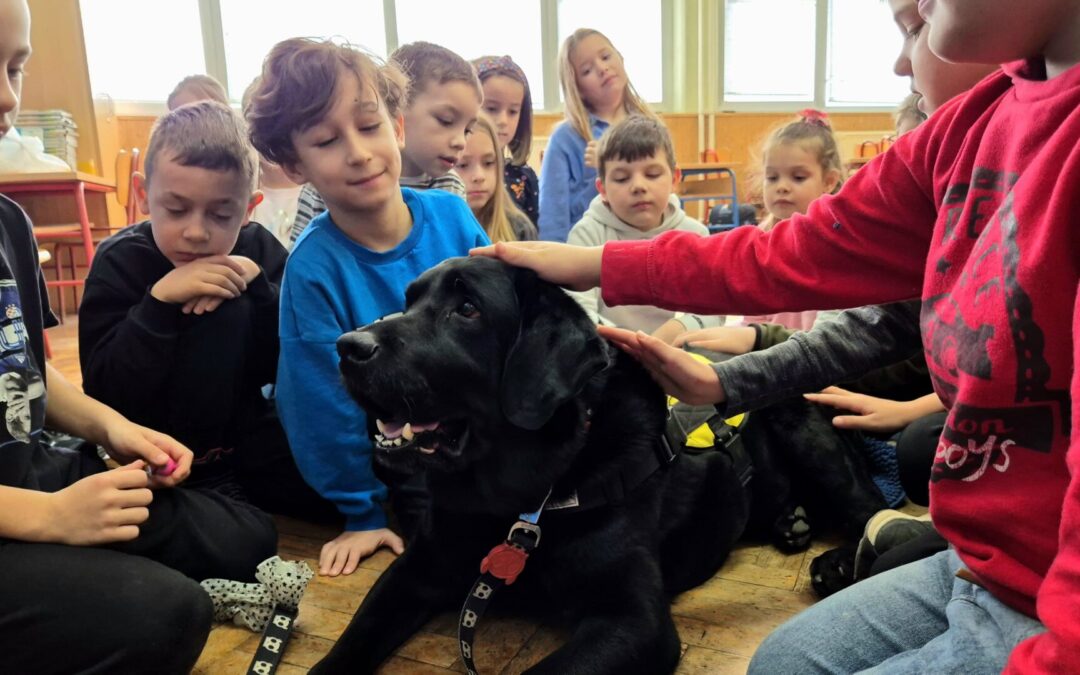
(737, 134)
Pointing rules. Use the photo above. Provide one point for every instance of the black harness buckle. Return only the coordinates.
(666, 451)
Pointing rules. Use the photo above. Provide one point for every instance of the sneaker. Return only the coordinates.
(884, 531)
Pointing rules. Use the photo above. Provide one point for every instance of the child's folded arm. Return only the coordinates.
(266, 299)
(126, 346)
(264, 249)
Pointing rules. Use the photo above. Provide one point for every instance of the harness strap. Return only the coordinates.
(500, 567)
(726, 437)
(273, 640)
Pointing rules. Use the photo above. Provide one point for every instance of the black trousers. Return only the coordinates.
(214, 403)
(915, 449)
(134, 607)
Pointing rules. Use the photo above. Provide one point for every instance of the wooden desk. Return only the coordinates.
(75, 183)
(52, 219)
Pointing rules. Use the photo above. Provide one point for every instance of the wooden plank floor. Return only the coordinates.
(720, 623)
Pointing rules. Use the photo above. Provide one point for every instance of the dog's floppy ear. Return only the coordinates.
(556, 352)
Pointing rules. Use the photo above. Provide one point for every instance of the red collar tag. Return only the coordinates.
(505, 561)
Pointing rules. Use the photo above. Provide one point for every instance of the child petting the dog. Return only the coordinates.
(99, 568)
(847, 346)
(187, 303)
(636, 178)
(975, 210)
(331, 116)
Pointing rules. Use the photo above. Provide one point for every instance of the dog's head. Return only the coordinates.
(482, 349)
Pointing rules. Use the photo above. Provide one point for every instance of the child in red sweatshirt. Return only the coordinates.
(976, 214)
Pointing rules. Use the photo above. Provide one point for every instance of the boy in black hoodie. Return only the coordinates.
(178, 324)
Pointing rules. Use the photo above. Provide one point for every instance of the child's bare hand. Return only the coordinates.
(217, 276)
(575, 267)
(99, 509)
(208, 303)
(203, 305)
(669, 331)
(127, 442)
(725, 339)
(590, 155)
(871, 413)
(250, 268)
(344, 553)
(677, 372)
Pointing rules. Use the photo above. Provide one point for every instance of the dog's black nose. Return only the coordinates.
(357, 345)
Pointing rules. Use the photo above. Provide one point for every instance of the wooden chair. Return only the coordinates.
(125, 183)
(710, 181)
(66, 239)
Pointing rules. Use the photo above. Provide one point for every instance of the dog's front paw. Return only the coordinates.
(791, 531)
(833, 570)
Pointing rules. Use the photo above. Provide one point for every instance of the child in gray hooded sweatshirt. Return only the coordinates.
(636, 176)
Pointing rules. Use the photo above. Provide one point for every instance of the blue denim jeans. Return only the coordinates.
(919, 618)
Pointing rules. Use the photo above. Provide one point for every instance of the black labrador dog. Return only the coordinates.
(497, 385)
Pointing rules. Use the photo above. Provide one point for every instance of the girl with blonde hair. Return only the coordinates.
(597, 94)
(481, 167)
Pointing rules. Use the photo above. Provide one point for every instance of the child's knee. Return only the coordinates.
(231, 315)
(168, 632)
(781, 652)
(253, 539)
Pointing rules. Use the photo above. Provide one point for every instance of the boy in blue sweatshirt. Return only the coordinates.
(331, 117)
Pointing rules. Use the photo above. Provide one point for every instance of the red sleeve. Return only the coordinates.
(866, 245)
(1059, 594)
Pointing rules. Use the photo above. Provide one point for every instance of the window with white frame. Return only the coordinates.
(251, 27)
(634, 29)
(479, 28)
(772, 47)
(245, 30)
(122, 65)
(863, 46)
(769, 50)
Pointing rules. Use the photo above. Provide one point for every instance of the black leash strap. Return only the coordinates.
(273, 640)
(500, 567)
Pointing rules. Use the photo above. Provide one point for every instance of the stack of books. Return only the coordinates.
(56, 130)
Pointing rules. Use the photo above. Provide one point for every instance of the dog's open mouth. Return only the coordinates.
(431, 438)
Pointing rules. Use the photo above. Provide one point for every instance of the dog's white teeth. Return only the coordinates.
(381, 426)
(380, 438)
(428, 451)
(397, 442)
(407, 432)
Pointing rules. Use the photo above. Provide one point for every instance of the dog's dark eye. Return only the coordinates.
(468, 310)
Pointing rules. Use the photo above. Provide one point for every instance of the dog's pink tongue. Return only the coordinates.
(389, 429)
(425, 427)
